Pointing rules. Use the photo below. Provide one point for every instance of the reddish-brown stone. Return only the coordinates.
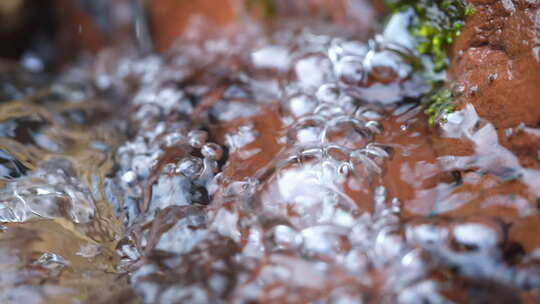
(497, 60)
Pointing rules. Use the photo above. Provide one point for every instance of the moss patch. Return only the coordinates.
(438, 104)
(267, 8)
(435, 25)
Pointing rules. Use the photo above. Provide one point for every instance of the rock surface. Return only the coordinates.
(497, 62)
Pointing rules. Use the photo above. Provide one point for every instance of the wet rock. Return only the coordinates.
(500, 39)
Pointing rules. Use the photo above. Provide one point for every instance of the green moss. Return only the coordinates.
(435, 25)
(438, 104)
(469, 10)
(267, 7)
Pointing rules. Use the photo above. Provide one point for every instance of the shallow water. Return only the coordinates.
(58, 229)
(248, 166)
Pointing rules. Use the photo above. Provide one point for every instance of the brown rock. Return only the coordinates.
(497, 60)
(170, 18)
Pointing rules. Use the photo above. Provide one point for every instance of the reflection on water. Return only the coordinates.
(253, 167)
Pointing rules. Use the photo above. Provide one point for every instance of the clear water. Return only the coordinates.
(252, 167)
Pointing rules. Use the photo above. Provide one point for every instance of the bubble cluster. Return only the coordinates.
(312, 222)
(49, 193)
(253, 166)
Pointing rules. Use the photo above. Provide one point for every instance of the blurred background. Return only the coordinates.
(46, 34)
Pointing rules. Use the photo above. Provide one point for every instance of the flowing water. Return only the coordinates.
(248, 165)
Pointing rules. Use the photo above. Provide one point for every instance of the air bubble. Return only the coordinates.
(477, 235)
(301, 105)
(190, 167)
(340, 48)
(350, 70)
(328, 93)
(129, 178)
(386, 67)
(212, 151)
(312, 71)
(172, 139)
(197, 138)
(284, 237)
(427, 234)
